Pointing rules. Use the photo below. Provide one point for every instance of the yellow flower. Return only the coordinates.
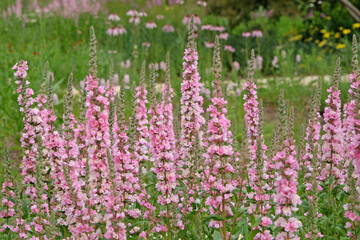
(340, 45)
(337, 35)
(326, 35)
(308, 39)
(323, 30)
(356, 25)
(328, 18)
(322, 43)
(341, 28)
(317, 41)
(346, 31)
(295, 38)
(330, 43)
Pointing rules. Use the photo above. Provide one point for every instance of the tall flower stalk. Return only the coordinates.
(97, 138)
(217, 180)
(141, 145)
(191, 106)
(30, 133)
(286, 196)
(332, 150)
(351, 126)
(310, 161)
(258, 198)
(7, 194)
(162, 147)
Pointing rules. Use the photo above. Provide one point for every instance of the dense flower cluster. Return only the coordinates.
(332, 147)
(191, 112)
(257, 165)
(286, 183)
(163, 177)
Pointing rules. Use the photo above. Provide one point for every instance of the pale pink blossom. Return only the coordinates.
(209, 44)
(246, 34)
(224, 36)
(275, 62)
(146, 44)
(150, 25)
(187, 18)
(257, 33)
(206, 27)
(121, 30)
(236, 65)
(135, 19)
(217, 28)
(202, 3)
(159, 17)
(126, 64)
(113, 17)
(132, 12)
(229, 48)
(142, 13)
(168, 28)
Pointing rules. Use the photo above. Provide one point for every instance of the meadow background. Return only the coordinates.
(298, 44)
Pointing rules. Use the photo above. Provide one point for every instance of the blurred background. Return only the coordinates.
(296, 43)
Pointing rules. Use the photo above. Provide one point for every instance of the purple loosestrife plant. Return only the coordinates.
(277, 137)
(141, 145)
(191, 124)
(217, 179)
(353, 211)
(191, 101)
(351, 125)
(97, 139)
(40, 206)
(7, 211)
(31, 142)
(162, 147)
(350, 114)
(349, 107)
(286, 197)
(31, 119)
(332, 151)
(64, 152)
(310, 160)
(258, 198)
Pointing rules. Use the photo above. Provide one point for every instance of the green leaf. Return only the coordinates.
(253, 234)
(138, 223)
(256, 223)
(217, 235)
(213, 217)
